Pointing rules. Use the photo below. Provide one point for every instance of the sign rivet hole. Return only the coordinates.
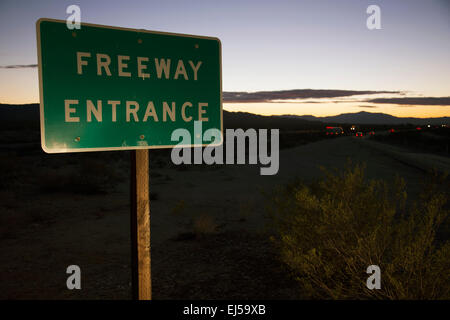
(77, 139)
(74, 34)
(196, 46)
(139, 40)
(142, 137)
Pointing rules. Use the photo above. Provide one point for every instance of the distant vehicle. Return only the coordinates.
(371, 133)
(391, 130)
(359, 134)
(334, 131)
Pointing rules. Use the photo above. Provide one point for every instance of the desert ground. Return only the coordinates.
(208, 223)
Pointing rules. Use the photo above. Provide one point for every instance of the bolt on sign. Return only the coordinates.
(108, 88)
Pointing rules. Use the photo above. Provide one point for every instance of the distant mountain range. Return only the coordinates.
(28, 115)
(364, 117)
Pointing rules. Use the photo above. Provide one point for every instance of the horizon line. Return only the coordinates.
(273, 115)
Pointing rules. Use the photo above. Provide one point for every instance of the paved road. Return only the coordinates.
(383, 161)
(233, 192)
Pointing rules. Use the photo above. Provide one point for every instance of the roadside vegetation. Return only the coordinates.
(329, 232)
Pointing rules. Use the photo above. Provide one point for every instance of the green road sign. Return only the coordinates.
(108, 88)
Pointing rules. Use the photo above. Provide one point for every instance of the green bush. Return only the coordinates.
(329, 232)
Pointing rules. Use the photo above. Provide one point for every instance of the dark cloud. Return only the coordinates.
(19, 66)
(266, 96)
(368, 106)
(422, 101)
(299, 101)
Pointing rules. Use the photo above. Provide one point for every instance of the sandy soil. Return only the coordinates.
(47, 230)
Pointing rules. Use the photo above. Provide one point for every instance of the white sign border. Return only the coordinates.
(41, 92)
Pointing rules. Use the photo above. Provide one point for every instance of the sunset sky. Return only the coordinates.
(270, 45)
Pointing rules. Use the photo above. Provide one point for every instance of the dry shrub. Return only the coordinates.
(8, 169)
(91, 176)
(179, 208)
(204, 225)
(328, 233)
